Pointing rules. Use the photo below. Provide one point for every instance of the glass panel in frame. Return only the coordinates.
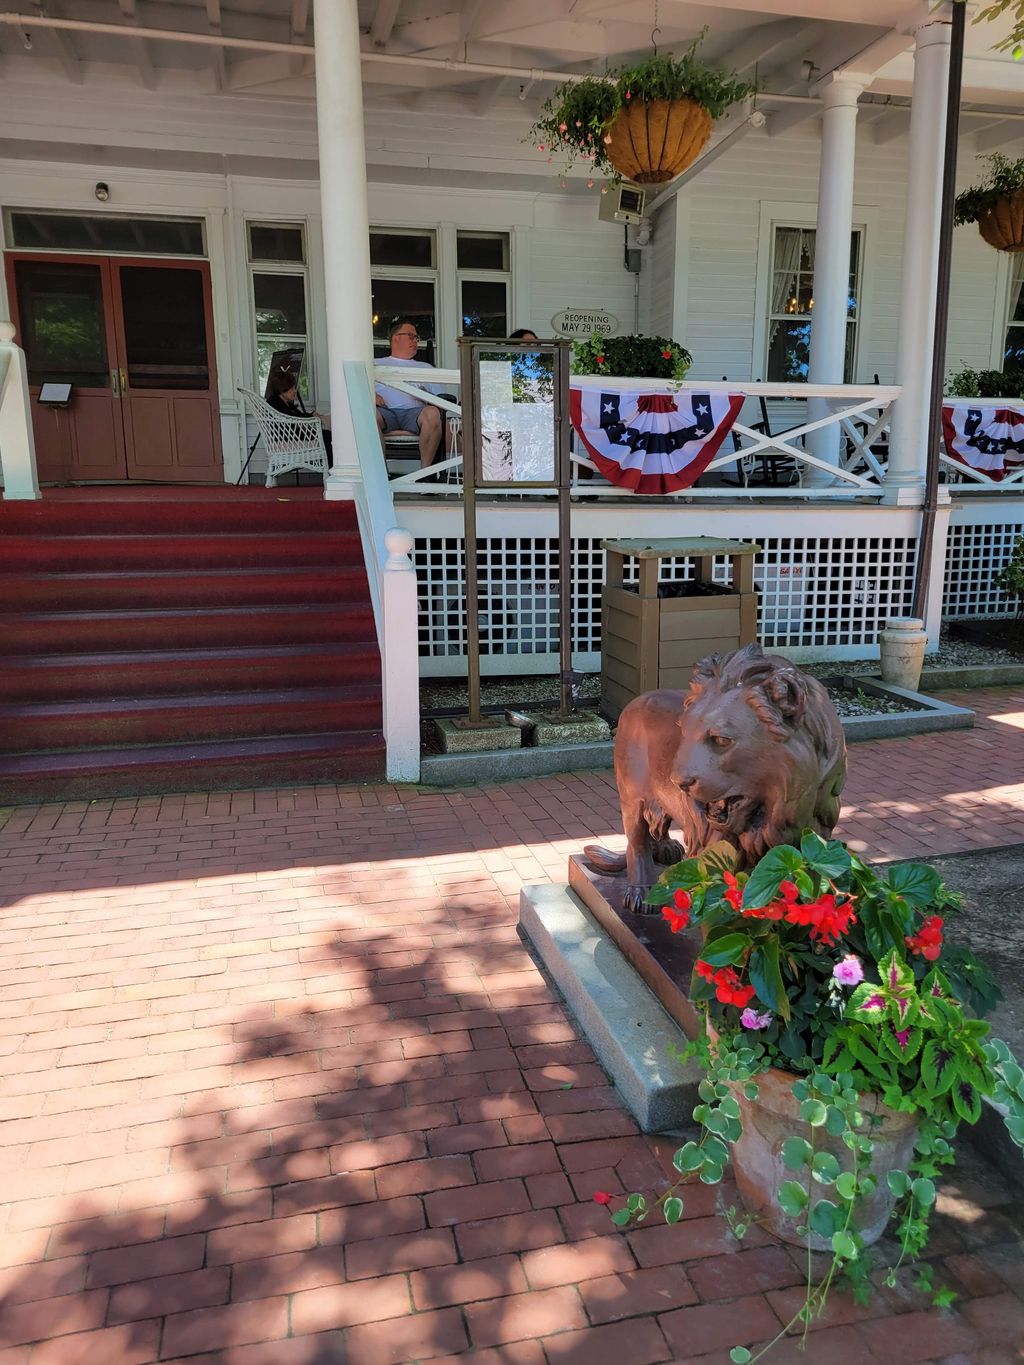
(518, 432)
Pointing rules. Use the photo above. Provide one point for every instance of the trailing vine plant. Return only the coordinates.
(818, 965)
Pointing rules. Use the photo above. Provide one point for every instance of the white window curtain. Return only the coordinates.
(784, 267)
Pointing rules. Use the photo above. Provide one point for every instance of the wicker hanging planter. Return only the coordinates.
(654, 141)
(1002, 225)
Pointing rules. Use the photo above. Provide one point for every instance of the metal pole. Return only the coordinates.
(924, 553)
(470, 410)
(565, 575)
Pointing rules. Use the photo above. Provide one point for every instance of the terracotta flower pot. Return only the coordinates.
(759, 1170)
(654, 141)
(1002, 226)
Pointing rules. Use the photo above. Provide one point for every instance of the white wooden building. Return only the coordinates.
(137, 135)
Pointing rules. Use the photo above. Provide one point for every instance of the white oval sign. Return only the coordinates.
(584, 322)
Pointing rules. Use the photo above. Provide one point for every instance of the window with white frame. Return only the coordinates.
(277, 269)
(791, 304)
(403, 270)
(485, 280)
(1013, 345)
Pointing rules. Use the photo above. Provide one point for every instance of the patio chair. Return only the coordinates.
(775, 467)
(291, 442)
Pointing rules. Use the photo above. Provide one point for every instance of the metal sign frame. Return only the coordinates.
(470, 351)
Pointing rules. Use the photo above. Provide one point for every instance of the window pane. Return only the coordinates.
(1017, 297)
(393, 299)
(275, 242)
(108, 233)
(265, 349)
(1013, 352)
(851, 337)
(280, 303)
(484, 308)
(482, 251)
(62, 327)
(788, 351)
(402, 249)
(164, 328)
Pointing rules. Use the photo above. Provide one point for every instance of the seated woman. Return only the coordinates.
(283, 397)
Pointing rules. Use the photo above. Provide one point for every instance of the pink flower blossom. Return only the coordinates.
(751, 1019)
(848, 972)
(563, 127)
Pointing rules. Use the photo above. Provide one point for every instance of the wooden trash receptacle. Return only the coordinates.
(653, 632)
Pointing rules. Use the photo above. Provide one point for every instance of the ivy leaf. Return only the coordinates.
(844, 1245)
(688, 1158)
(899, 1183)
(740, 1355)
(814, 1113)
(716, 1151)
(792, 1198)
(621, 1217)
(673, 1209)
(824, 1168)
(710, 1173)
(796, 1153)
(779, 864)
(923, 1191)
(846, 1185)
(825, 1218)
(725, 950)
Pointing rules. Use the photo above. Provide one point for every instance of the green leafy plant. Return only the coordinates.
(1010, 578)
(631, 356)
(823, 968)
(575, 119)
(971, 383)
(1002, 177)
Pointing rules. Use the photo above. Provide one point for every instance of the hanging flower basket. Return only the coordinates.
(996, 204)
(1002, 225)
(655, 141)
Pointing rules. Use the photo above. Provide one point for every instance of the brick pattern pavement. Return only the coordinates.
(281, 1086)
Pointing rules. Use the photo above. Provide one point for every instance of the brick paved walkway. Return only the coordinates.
(281, 1086)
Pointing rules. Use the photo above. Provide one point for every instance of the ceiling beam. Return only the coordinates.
(786, 36)
(384, 21)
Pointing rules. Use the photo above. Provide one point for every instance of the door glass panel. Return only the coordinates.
(62, 326)
(482, 250)
(164, 328)
(393, 299)
(108, 233)
(484, 308)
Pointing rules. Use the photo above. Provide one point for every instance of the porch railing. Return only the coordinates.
(17, 445)
(392, 580)
(859, 413)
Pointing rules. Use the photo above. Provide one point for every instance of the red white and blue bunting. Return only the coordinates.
(652, 442)
(984, 436)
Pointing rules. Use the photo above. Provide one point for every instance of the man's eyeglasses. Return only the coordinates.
(413, 336)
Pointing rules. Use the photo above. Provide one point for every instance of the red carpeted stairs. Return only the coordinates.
(211, 638)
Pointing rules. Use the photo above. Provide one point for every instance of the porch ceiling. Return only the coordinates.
(780, 38)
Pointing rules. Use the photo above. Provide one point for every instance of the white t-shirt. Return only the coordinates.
(395, 398)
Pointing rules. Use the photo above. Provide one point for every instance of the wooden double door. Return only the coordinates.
(134, 338)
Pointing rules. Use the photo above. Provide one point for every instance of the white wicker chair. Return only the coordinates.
(291, 442)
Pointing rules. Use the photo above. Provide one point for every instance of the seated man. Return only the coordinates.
(398, 411)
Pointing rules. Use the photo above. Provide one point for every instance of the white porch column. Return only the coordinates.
(908, 442)
(839, 94)
(346, 224)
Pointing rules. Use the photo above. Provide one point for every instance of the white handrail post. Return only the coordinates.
(401, 677)
(17, 444)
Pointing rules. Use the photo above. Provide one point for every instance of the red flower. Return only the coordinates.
(704, 969)
(666, 355)
(826, 920)
(790, 891)
(600, 359)
(677, 919)
(602, 1197)
(629, 94)
(682, 900)
(928, 939)
(773, 910)
(735, 894)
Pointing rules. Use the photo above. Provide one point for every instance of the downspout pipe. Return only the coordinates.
(931, 499)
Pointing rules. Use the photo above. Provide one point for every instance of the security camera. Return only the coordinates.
(102, 192)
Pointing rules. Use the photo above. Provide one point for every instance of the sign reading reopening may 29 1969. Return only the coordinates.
(584, 322)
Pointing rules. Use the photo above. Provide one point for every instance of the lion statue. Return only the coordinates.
(753, 753)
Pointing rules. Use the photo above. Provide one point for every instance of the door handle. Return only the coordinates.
(124, 381)
(115, 386)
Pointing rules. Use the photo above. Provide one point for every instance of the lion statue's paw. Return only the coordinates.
(668, 851)
(635, 901)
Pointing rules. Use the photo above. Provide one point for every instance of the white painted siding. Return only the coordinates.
(658, 279)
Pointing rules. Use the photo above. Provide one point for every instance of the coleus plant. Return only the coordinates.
(820, 966)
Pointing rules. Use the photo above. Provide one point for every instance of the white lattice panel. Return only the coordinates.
(815, 593)
(974, 552)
